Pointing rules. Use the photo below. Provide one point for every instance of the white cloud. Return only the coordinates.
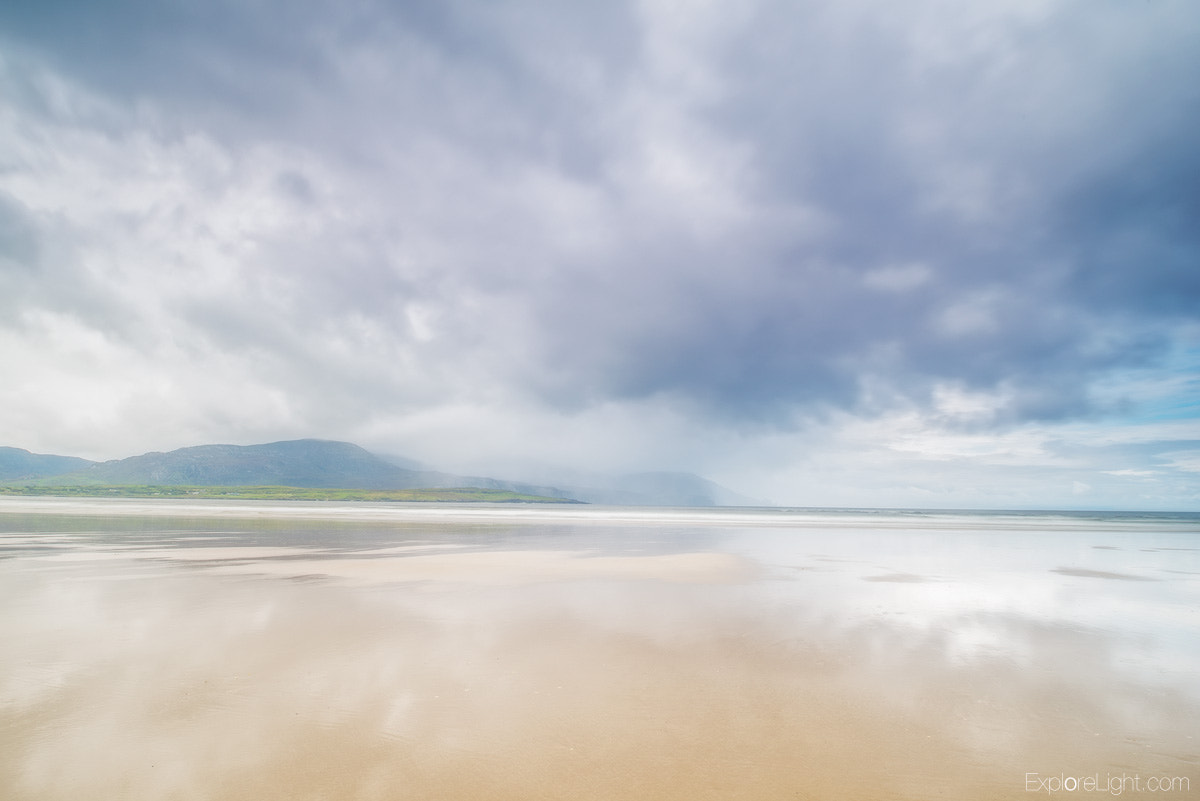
(898, 277)
(1188, 461)
(958, 404)
(834, 254)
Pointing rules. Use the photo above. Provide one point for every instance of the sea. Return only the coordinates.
(223, 650)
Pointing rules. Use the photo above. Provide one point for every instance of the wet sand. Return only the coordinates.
(215, 656)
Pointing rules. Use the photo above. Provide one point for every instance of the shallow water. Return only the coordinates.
(180, 650)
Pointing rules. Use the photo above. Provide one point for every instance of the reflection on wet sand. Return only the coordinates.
(490, 567)
(507, 674)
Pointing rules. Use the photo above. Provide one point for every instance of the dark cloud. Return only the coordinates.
(18, 236)
(1072, 233)
(747, 210)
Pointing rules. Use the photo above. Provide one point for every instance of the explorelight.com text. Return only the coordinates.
(1112, 784)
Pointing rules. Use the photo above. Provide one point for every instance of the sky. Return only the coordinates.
(865, 253)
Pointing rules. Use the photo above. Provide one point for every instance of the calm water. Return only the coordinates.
(196, 650)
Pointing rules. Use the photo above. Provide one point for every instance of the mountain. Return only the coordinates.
(17, 463)
(326, 464)
(296, 463)
(306, 463)
(664, 489)
(638, 489)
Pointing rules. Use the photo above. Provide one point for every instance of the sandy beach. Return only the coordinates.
(631, 655)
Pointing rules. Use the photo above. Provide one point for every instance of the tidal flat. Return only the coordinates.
(288, 650)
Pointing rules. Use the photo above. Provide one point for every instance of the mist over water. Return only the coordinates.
(303, 651)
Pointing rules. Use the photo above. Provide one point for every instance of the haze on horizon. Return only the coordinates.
(929, 254)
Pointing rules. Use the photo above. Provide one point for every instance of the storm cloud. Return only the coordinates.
(634, 235)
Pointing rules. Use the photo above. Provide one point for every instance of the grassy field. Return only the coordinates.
(454, 495)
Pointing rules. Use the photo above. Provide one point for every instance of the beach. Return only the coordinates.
(225, 650)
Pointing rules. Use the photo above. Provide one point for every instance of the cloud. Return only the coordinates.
(740, 219)
(1188, 461)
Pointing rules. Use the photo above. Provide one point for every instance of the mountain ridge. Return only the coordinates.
(18, 463)
(330, 464)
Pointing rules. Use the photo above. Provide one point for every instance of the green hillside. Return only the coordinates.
(278, 493)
